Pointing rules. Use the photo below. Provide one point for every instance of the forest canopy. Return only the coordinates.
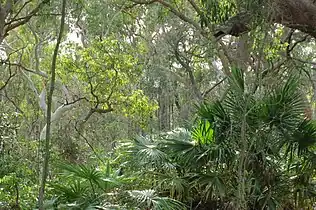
(158, 104)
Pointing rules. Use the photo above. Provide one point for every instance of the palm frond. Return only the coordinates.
(177, 186)
(179, 141)
(149, 199)
(148, 152)
(284, 107)
(71, 192)
(203, 132)
(211, 183)
(103, 181)
(184, 153)
(236, 80)
(179, 134)
(205, 111)
(88, 173)
(218, 119)
(305, 135)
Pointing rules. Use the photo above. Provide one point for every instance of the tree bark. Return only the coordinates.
(49, 110)
(296, 14)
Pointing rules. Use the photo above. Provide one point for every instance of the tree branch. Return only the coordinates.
(12, 102)
(303, 61)
(8, 79)
(189, 71)
(40, 73)
(90, 145)
(213, 87)
(20, 10)
(181, 16)
(196, 8)
(21, 21)
(174, 11)
(290, 49)
(298, 14)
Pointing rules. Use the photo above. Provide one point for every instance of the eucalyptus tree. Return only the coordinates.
(182, 78)
(91, 84)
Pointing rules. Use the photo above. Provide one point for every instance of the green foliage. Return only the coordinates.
(217, 11)
(86, 187)
(204, 161)
(109, 74)
(283, 107)
(18, 189)
(7, 131)
(203, 132)
(149, 199)
(148, 152)
(81, 186)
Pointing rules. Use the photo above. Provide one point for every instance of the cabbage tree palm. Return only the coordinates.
(248, 151)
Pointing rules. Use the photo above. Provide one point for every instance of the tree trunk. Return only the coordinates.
(49, 110)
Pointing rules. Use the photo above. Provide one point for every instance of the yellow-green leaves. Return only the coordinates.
(217, 11)
(109, 72)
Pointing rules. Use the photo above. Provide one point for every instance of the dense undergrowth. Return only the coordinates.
(248, 151)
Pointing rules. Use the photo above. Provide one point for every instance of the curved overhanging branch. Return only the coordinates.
(173, 10)
(295, 14)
